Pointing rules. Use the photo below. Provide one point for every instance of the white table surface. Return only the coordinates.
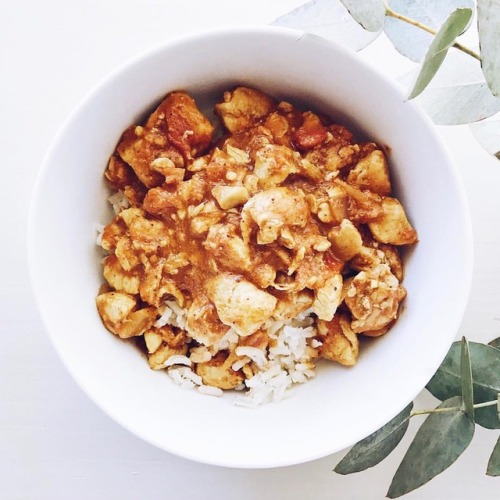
(54, 442)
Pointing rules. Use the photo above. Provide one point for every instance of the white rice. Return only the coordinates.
(289, 360)
(119, 201)
(178, 360)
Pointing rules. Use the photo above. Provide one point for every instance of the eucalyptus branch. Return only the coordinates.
(454, 408)
(396, 15)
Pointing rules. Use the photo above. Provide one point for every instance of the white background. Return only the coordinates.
(54, 442)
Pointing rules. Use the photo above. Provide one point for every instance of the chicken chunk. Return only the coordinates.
(243, 107)
(273, 164)
(228, 248)
(346, 240)
(392, 226)
(373, 297)
(328, 298)
(203, 323)
(372, 173)
(146, 234)
(239, 303)
(230, 196)
(117, 311)
(218, 372)
(290, 305)
(187, 128)
(118, 278)
(339, 342)
(273, 210)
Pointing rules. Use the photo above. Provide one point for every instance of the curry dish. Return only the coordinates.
(217, 244)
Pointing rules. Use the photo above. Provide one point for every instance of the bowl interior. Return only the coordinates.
(338, 407)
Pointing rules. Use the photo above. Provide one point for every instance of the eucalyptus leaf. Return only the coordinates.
(488, 135)
(494, 461)
(459, 80)
(411, 41)
(441, 439)
(485, 361)
(495, 342)
(329, 19)
(444, 39)
(488, 23)
(466, 376)
(370, 14)
(377, 446)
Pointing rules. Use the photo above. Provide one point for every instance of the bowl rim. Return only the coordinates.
(190, 37)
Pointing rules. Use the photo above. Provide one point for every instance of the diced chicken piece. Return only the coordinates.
(273, 210)
(378, 333)
(114, 307)
(393, 226)
(203, 323)
(280, 128)
(176, 126)
(346, 240)
(393, 258)
(138, 149)
(163, 343)
(227, 248)
(118, 315)
(230, 196)
(239, 303)
(263, 275)
(146, 234)
(158, 358)
(290, 305)
(314, 271)
(119, 174)
(126, 254)
(166, 167)
(373, 298)
(187, 128)
(337, 151)
(155, 286)
(328, 298)
(339, 341)
(153, 340)
(115, 230)
(368, 258)
(311, 133)
(161, 201)
(243, 107)
(273, 164)
(372, 173)
(218, 372)
(118, 278)
(258, 340)
(362, 206)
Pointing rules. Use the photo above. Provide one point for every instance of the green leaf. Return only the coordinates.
(466, 376)
(329, 19)
(374, 448)
(485, 361)
(441, 439)
(494, 461)
(488, 135)
(411, 41)
(495, 342)
(488, 24)
(370, 14)
(459, 80)
(444, 39)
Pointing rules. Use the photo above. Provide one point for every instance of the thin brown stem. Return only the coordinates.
(396, 15)
(452, 408)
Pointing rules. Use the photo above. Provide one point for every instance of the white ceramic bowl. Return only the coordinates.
(340, 406)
